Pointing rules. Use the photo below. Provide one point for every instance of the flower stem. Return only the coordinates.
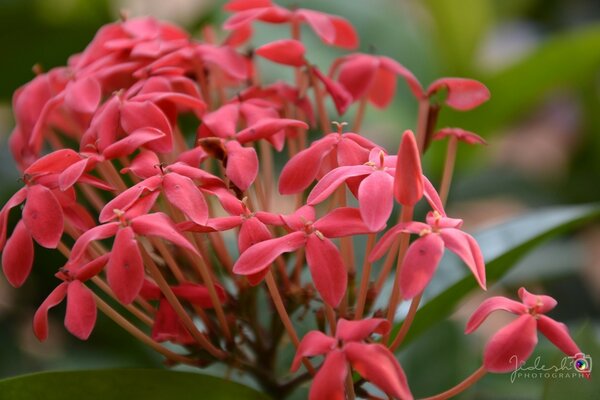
(350, 387)
(468, 382)
(414, 306)
(360, 114)
(422, 120)
(448, 168)
(364, 280)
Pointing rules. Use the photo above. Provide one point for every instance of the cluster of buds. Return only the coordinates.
(150, 157)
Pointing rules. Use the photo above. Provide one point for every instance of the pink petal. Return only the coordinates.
(222, 122)
(376, 199)
(127, 198)
(80, 316)
(132, 142)
(320, 23)
(511, 346)
(150, 290)
(125, 269)
(284, 51)
(356, 331)
(345, 34)
(397, 68)
(420, 262)
(329, 382)
(341, 222)
(463, 94)
(386, 241)
(302, 169)
(43, 216)
(72, 174)
(91, 269)
(242, 5)
(377, 364)
(144, 165)
(357, 74)
(267, 127)
(334, 178)
(251, 232)
(314, 343)
(183, 194)
(558, 334)
(242, 165)
(197, 174)
(465, 246)
(96, 233)
(168, 327)
(541, 303)
(460, 134)
(490, 305)
(40, 319)
(297, 221)
(138, 115)
(141, 206)
(198, 294)
(54, 162)
(83, 95)
(327, 269)
(352, 152)
(340, 96)
(432, 196)
(261, 255)
(14, 201)
(408, 184)
(159, 224)
(17, 258)
(383, 88)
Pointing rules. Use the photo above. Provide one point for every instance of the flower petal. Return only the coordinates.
(466, 247)
(302, 169)
(183, 194)
(460, 134)
(377, 364)
(40, 319)
(357, 74)
(511, 346)
(83, 95)
(159, 224)
(80, 316)
(490, 305)
(333, 179)
(128, 197)
(376, 199)
(252, 231)
(242, 165)
(328, 383)
(314, 343)
(125, 269)
(43, 216)
(17, 258)
(383, 88)
(96, 233)
(198, 294)
(284, 51)
(540, 302)
(132, 142)
(327, 269)
(356, 331)
(168, 327)
(558, 334)
(388, 238)
(14, 201)
(419, 264)
(341, 222)
(261, 255)
(408, 182)
(463, 94)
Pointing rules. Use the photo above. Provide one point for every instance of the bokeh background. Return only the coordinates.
(539, 58)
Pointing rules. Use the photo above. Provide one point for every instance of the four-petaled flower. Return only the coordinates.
(373, 361)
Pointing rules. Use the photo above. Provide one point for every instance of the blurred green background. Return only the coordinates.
(539, 58)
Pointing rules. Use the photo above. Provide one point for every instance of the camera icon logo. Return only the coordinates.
(582, 362)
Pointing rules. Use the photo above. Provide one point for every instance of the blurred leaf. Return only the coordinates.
(126, 384)
(566, 60)
(502, 246)
(459, 33)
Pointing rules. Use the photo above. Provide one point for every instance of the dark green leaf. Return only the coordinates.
(125, 384)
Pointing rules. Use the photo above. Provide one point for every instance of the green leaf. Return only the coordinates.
(563, 61)
(502, 247)
(125, 384)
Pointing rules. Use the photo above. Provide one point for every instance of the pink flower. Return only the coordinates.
(332, 30)
(425, 253)
(408, 178)
(324, 261)
(375, 187)
(301, 170)
(167, 325)
(80, 316)
(512, 345)
(284, 51)
(374, 362)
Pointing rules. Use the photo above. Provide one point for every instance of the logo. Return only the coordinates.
(578, 366)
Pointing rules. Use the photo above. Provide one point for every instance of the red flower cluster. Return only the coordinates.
(141, 202)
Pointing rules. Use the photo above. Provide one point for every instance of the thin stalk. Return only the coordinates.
(178, 307)
(387, 266)
(360, 114)
(136, 312)
(350, 387)
(319, 100)
(461, 387)
(330, 314)
(266, 162)
(139, 335)
(448, 168)
(364, 280)
(422, 120)
(414, 306)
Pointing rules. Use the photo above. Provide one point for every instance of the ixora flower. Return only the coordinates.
(512, 345)
(349, 348)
